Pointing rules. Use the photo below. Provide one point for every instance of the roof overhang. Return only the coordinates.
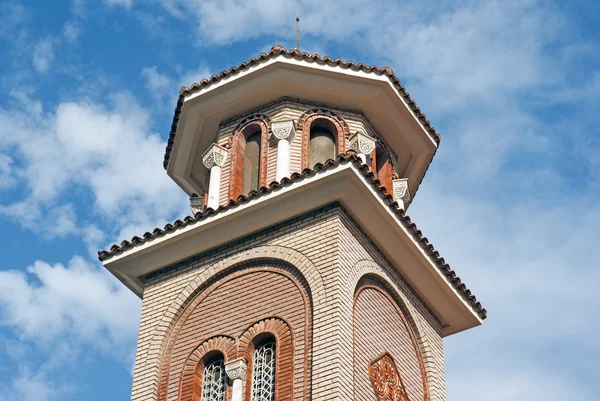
(342, 183)
(373, 94)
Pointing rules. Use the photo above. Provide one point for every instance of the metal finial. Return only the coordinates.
(298, 28)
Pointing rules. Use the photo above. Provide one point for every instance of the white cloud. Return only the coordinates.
(7, 178)
(109, 150)
(76, 303)
(71, 31)
(187, 78)
(122, 3)
(28, 386)
(58, 221)
(43, 55)
(155, 81)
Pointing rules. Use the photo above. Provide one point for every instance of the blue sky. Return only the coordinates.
(87, 94)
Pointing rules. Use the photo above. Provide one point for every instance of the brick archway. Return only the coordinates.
(284, 359)
(168, 359)
(369, 269)
(237, 144)
(274, 253)
(373, 282)
(191, 378)
(340, 130)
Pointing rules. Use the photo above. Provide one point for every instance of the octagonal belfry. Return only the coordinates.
(299, 275)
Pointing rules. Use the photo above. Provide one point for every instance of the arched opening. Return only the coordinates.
(263, 368)
(249, 153)
(251, 168)
(318, 126)
(322, 144)
(213, 377)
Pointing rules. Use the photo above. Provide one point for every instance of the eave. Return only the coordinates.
(344, 181)
(374, 92)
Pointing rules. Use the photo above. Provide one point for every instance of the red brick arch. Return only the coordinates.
(280, 331)
(190, 387)
(237, 144)
(375, 283)
(300, 367)
(328, 119)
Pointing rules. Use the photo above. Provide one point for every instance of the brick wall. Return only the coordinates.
(281, 110)
(331, 254)
(379, 327)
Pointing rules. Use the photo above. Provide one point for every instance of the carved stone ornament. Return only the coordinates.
(236, 369)
(214, 155)
(196, 203)
(401, 190)
(386, 379)
(362, 143)
(284, 130)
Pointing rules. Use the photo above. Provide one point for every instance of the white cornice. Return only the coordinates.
(342, 183)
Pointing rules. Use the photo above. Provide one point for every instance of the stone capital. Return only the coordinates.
(284, 130)
(362, 143)
(401, 191)
(236, 369)
(196, 203)
(214, 155)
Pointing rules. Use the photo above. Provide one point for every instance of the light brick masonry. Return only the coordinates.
(301, 273)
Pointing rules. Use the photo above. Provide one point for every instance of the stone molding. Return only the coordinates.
(401, 191)
(214, 155)
(236, 369)
(196, 204)
(284, 130)
(362, 143)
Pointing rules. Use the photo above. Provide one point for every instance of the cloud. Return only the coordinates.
(109, 151)
(77, 302)
(12, 15)
(43, 55)
(58, 221)
(71, 31)
(520, 384)
(7, 178)
(122, 3)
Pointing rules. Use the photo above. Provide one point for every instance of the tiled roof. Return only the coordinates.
(349, 156)
(278, 50)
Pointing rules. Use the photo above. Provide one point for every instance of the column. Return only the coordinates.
(197, 204)
(362, 144)
(285, 132)
(401, 192)
(214, 158)
(236, 372)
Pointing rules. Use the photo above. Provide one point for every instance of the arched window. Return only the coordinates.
(263, 372)
(324, 136)
(251, 169)
(213, 381)
(249, 156)
(322, 145)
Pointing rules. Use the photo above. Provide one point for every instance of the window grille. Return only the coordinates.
(263, 373)
(213, 381)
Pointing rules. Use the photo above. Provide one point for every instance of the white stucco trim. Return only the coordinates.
(342, 183)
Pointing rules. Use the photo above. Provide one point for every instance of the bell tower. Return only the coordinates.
(299, 275)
